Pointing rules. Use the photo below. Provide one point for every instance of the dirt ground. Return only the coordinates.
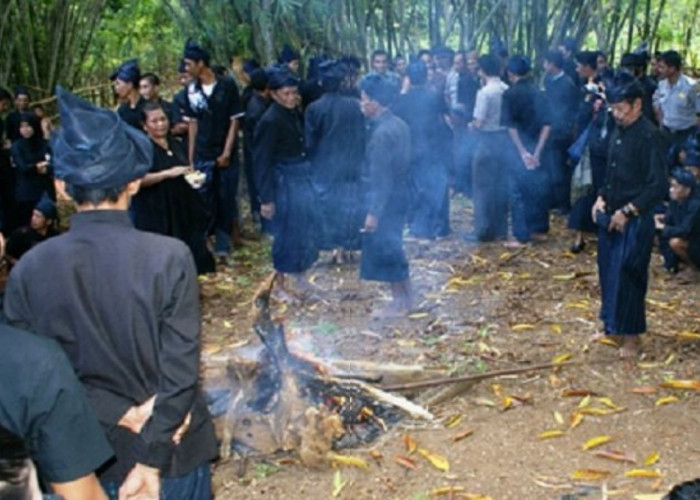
(483, 308)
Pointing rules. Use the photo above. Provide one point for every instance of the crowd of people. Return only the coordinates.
(338, 162)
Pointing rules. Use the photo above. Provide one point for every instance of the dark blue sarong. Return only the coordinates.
(295, 224)
(383, 257)
(623, 268)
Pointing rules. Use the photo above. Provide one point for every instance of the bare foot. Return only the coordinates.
(539, 237)
(514, 244)
(597, 336)
(391, 311)
(631, 347)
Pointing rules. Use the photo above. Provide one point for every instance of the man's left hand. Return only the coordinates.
(618, 222)
(223, 161)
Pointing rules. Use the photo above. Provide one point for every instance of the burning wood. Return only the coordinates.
(291, 403)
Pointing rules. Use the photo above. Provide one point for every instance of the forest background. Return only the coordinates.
(79, 43)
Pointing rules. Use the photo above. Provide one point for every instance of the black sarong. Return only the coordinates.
(383, 257)
(295, 224)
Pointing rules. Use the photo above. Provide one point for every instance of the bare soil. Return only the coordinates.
(483, 308)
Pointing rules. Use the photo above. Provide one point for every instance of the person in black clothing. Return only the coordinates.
(7, 173)
(290, 58)
(213, 112)
(606, 74)
(568, 49)
(248, 67)
(258, 103)
(45, 417)
(679, 240)
(283, 178)
(13, 119)
(126, 85)
(335, 140)
(526, 115)
(179, 126)
(30, 155)
(635, 182)
(600, 125)
(636, 65)
(425, 111)
(42, 226)
(124, 306)
(563, 97)
(467, 87)
(166, 203)
(311, 89)
(149, 85)
(352, 66)
(387, 170)
(5, 103)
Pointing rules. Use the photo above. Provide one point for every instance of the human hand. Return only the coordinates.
(618, 221)
(659, 221)
(267, 211)
(42, 167)
(137, 416)
(223, 161)
(178, 171)
(531, 161)
(142, 483)
(599, 205)
(371, 223)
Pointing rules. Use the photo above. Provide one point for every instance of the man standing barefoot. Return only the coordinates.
(635, 181)
(388, 159)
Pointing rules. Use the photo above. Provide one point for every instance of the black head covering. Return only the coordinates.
(417, 72)
(442, 51)
(258, 79)
(692, 158)
(33, 120)
(5, 94)
(288, 54)
(555, 57)
(21, 90)
(94, 148)
(195, 52)
(569, 44)
(281, 77)
(182, 66)
(626, 88)
(519, 65)
(128, 72)
(47, 207)
(683, 177)
(632, 60)
(331, 73)
(379, 89)
(250, 65)
(588, 58)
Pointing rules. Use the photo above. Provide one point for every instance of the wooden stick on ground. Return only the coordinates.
(481, 376)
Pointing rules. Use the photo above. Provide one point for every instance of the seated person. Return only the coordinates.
(43, 405)
(41, 227)
(679, 241)
(691, 162)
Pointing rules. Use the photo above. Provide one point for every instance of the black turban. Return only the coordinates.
(281, 77)
(94, 148)
(626, 88)
(332, 74)
(288, 54)
(692, 158)
(417, 72)
(632, 60)
(588, 58)
(128, 72)
(683, 177)
(47, 207)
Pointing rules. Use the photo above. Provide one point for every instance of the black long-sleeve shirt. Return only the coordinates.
(636, 171)
(124, 306)
(279, 138)
(564, 98)
(525, 109)
(682, 220)
(388, 161)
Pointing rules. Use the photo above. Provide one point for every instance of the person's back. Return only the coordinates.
(563, 99)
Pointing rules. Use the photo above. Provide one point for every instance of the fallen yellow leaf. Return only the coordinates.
(348, 460)
(693, 385)
(608, 402)
(558, 418)
(643, 473)
(564, 277)
(598, 412)
(555, 328)
(338, 484)
(596, 441)
(411, 444)
(507, 403)
(453, 421)
(497, 390)
(418, 315)
(522, 327)
(651, 496)
(585, 402)
(557, 360)
(652, 458)
(437, 461)
(666, 401)
(551, 434)
(645, 390)
(376, 454)
(689, 335)
(406, 462)
(447, 490)
(607, 341)
(590, 474)
(575, 419)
